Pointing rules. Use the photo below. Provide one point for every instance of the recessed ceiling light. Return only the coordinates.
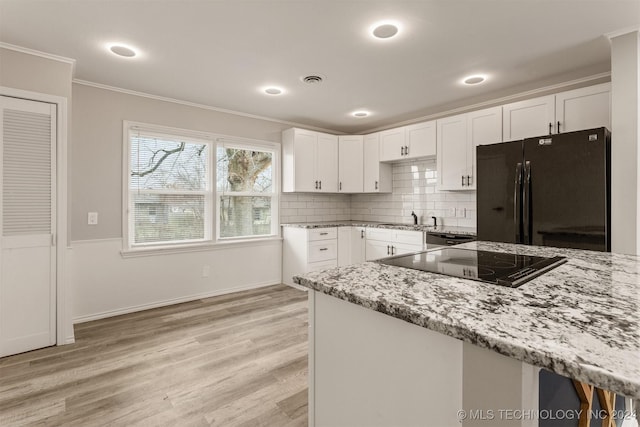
(122, 50)
(273, 91)
(474, 80)
(385, 30)
(360, 114)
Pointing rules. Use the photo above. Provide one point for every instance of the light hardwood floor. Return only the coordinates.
(234, 360)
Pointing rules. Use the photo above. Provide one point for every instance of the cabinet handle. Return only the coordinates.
(469, 180)
(323, 234)
(376, 185)
(550, 128)
(324, 249)
(362, 234)
(320, 186)
(558, 126)
(316, 185)
(340, 186)
(406, 150)
(393, 250)
(388, 250)
(462, 180)
(402, 151)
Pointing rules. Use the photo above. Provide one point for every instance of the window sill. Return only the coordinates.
(197, 247)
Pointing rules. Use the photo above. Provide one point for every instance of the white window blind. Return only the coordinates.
(170, 189)
(26, 176)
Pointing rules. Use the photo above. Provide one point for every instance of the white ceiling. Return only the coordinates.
(219, 53)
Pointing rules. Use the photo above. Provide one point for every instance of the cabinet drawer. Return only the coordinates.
(380, 234)
(322, 265)
(323, 250)
(323, 233)
(409, 237)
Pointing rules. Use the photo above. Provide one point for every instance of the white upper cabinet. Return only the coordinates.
(452, 152)
(408, 142)
(578, 109)
(525, 119)
(377, 176)
(310, 161)
(458, 137)
(392, 143)
(584, 108)
(421, 140)
(350, 164)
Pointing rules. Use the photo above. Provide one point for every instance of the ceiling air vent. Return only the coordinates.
(312, 79)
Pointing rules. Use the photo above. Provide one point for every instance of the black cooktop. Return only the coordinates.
(499, 268)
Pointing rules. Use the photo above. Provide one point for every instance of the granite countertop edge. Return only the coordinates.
(519, 348)
(395, 226)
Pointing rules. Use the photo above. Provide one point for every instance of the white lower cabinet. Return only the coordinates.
(382, 243)
(305, 250)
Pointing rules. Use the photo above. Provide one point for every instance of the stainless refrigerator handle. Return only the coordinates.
(526, 203)
(516, 187)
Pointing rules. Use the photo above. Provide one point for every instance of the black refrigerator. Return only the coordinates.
(552, 190)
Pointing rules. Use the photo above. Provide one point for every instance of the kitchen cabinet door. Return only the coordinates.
(392, 143)
(327, 163)
(420, 140)
(376, 249)
(350, 164)
(299, 160)
(584, 108)
(483, 127)
(453, 152)
(344, 246)
(529, 118)
(377, 176)
(358, 246)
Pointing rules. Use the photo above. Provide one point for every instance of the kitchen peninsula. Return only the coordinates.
(444, 344)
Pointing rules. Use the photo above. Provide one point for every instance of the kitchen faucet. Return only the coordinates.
(435, 222)
(415, 218)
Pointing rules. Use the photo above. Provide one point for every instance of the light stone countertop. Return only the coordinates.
(580, 320)
(394, 226)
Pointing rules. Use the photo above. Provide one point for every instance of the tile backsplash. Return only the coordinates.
(313, 207)
(414, 189)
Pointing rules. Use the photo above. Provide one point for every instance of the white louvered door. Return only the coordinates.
(27, 225)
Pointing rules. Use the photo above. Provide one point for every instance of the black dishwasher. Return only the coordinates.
(437, 240)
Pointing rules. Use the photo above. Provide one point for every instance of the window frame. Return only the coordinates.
(212, 239)
(272, 148)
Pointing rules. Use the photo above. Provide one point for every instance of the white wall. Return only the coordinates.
(106, 284)
(103, 283)
(625, 136)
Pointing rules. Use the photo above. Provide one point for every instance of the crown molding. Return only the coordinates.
(41, 54)
(622, 32)
(202, 106)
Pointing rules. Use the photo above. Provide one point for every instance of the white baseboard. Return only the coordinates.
(133, 309)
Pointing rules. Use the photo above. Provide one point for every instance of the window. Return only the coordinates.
(176, 180)
(245, 187)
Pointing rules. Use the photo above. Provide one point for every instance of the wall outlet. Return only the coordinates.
(206, 271)
(461, 213)
(452, 212)
(92, 218)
